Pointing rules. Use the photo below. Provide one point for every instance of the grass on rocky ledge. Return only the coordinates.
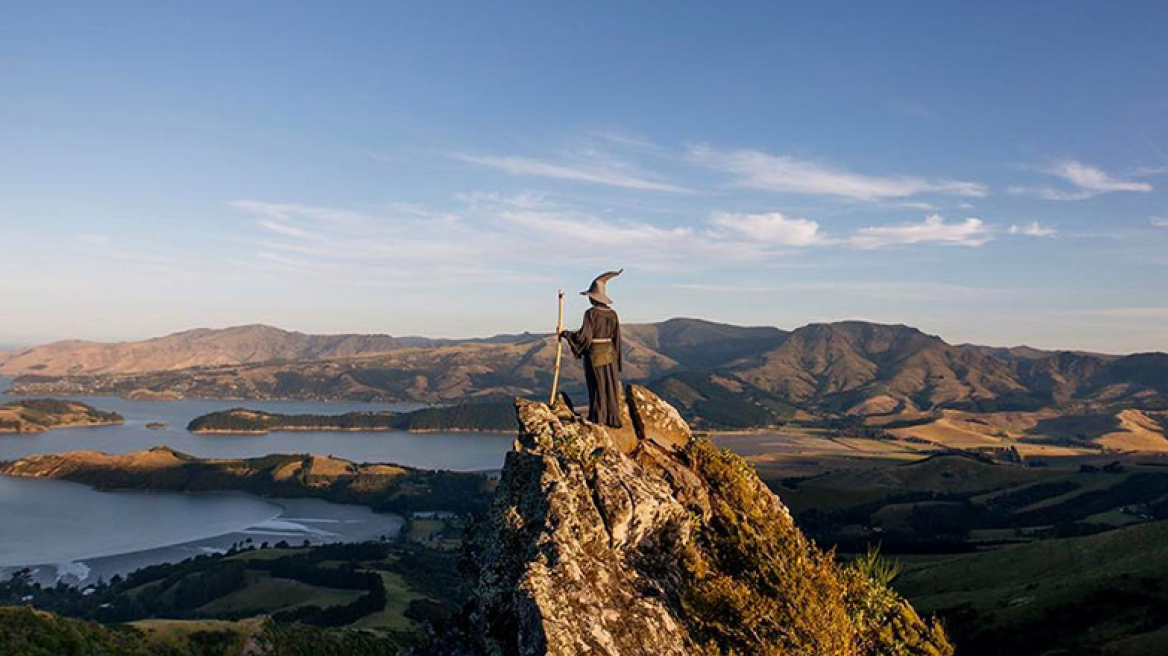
(758, 586)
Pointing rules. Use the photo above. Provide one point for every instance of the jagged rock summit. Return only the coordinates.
(659, 544)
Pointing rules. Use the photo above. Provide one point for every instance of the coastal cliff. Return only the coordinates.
(643, 541)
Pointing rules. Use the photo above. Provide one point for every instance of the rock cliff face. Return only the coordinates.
(659, 544)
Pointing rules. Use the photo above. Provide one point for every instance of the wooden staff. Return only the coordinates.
(559, 349)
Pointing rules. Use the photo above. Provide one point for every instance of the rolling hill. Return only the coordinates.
(1025, 599)
(201, 347)
(675, 343)
(756, 375)
(698, 344)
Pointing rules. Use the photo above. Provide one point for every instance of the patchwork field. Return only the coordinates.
(1010, 552)
(1105, 593)
(372, 597)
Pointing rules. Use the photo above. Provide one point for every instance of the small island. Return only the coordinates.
(40, 415)
(485, 417)
(157, 425)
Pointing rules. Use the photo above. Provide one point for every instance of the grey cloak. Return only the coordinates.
(599, 342)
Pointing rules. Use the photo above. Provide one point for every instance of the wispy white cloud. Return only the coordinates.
(1130, 312)
(920, 205)
(1145, 171)
(133, 257)
(544, 219)
(1033, 229)
(539, 226)
(294, 211)
(624, 138)
(772, 228)
(395, 245)
(934, 229)
(1093, 179)
(492, 235)
(503, 234)
(757, 170)
(1086, 181)
(608, 173)
(1159, 222)
(136, 258)
(887, 290)
(287, 230)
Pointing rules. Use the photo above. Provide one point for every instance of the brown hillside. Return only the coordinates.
(715, 372)
(845, 364)
(202, 347)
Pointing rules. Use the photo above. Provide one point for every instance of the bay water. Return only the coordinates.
(71, 532)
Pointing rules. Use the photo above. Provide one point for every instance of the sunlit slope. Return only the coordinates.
(1042, 433)
(1108, 590)
(721, 376)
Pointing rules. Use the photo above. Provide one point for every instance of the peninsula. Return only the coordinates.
(486, 417)
(40, 415)
(382, 487)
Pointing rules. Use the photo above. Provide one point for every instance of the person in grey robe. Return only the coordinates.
(599, 342)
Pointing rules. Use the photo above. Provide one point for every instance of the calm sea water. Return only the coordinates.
(454, 451)
(70, 531)
(77, 534)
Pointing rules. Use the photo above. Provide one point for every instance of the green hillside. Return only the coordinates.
(342, 599)
(1100, 594)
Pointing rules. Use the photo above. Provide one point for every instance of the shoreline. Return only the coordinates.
(294, 521)
(13, 392)
(281, 509)
(46, 429)
(317, 429)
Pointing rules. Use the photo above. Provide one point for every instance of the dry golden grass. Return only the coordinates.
(1137, 432)
(328, 467)
(1040, 434)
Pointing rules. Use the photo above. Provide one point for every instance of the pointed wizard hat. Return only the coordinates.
(596, 290)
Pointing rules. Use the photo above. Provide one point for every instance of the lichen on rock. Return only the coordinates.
(665, 546)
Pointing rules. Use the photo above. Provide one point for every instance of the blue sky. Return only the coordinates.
(993, 172)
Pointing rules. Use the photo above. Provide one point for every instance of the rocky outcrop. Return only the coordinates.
(665, 546)
(657, 421)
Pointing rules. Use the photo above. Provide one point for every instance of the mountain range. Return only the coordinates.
(721, 373)
(201, 347)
